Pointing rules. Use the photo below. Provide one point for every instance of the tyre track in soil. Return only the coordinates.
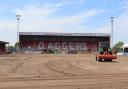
(84, 81)
(66, 68)
(113, 80)
(64, 78)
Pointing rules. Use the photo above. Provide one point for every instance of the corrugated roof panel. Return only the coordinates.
(64, 34)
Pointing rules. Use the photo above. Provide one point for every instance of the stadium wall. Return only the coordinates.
(62, 42)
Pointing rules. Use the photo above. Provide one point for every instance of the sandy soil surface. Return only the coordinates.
(62, 71)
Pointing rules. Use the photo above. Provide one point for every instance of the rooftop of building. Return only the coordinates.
(64, 34)
(3, 42)
(125, 45)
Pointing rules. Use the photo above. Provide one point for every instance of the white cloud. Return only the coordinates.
(82, 1)
(120, 27)
(60, 4)
(107, 1)
(41, 19)
(8, 31)
(36, 18)
(64, 3)
(125, 4)
(3, 7)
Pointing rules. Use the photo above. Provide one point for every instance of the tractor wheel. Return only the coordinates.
(110, 60)
(99, 60)
(106, 60)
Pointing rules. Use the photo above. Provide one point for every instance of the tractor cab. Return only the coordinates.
(104, 52)
(104, 48)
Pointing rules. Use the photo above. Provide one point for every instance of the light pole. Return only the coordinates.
(17, 43)
(112, 20)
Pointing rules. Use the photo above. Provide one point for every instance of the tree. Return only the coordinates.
(118, 46)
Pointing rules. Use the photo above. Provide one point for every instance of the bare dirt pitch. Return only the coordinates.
(62, 71)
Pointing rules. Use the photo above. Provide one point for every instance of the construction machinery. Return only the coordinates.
(104, 52)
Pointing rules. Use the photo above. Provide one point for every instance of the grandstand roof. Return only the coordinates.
(64, 34)
(3, 42)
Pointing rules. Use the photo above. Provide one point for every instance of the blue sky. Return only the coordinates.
(72, 16)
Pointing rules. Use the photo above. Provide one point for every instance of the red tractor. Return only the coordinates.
(104, 52)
